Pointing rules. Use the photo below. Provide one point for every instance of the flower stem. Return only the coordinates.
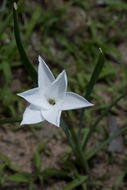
(79, 153)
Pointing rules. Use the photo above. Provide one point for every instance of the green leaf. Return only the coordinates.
(85, 132)
(95, 75)
(120, 5)
(97, 70)
(29, 67)
(20, 178)
(75, 183)
(2, 166)
(37, 157)
(37, 161)
(108, 71)
(5, 24)
(5, 159)
(119, 180)
(97, 183)
(10, 120)
(32, 186)
(67, 133)
(7, 163)
(102, 145)
(33, 21)
(52, 172)
(7, 71)
(106, 110)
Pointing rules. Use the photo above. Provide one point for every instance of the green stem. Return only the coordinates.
(67, 133)
(79, 153)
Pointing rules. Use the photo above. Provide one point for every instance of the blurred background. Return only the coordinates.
(68, 35)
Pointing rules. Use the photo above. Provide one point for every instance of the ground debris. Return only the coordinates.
(116, 145)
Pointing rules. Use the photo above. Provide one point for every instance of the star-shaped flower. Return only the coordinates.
(50, 97)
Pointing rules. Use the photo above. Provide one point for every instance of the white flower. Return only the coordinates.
(50, 97)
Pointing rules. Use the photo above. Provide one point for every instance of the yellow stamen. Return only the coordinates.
(52, 102)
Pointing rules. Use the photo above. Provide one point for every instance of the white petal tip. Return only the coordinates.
(20, 94)
(15, 6)
(41, 61)
(89, 105)
(63, 73)
(101, 50)
(21, 124)
(39, 58)
(56, 125)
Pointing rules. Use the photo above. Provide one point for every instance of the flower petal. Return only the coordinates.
(58, 88)
(45, 76)
(32, 115)
(74, 101)
(52, 115)
(33, 96)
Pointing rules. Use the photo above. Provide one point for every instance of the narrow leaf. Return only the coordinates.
(52, 172)
(37, 157)
(5, 159)
(94, 77)
(5, 24)
(33, 21)
(67, 133)
(20, 178)
(75, 183)
(102, 145)
(37, 161)
(29, 67)
(107, 109)
(119, 180)
(8, 164)
(7, 71)
(10, 120)
(32, 186)
(2, 167)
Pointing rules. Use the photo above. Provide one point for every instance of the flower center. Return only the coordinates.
(52, 102)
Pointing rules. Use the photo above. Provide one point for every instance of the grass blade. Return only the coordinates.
(34, 20)
(20, 178)
(5, 24)
(102, 145)
(100, 118)
(37, 157)
(29, 67)
(75, 183)
(119, 180)
(94, 77)
(10, 120)
(53, 172)
(67, 133)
